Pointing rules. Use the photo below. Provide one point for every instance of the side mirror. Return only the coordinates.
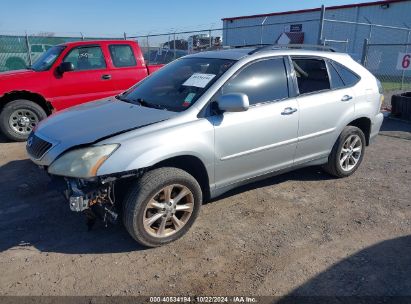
(233, 102)
(65, 67)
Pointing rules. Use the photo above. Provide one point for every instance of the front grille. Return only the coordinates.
(36, 146)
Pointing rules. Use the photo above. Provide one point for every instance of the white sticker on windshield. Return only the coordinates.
(50, 58)
(198, 80)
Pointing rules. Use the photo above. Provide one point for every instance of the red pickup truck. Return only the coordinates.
(66, 75)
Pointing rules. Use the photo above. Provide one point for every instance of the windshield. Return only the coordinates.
(46, 60)
(178, 85)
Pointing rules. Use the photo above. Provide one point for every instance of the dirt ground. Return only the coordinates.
(302, 233)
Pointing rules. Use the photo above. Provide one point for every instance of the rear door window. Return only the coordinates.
(122, 55)
(86, 58)
(312, 75)
(262, 81)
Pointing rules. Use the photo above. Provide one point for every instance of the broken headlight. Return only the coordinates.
(82, 163)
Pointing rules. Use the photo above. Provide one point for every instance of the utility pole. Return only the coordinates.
(321, 29)
(28, 50)
(261, 31)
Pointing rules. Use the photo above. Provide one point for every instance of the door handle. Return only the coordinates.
(346, 98)
(106, 77)
(288, 111)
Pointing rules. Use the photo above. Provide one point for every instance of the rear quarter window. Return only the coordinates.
(336, 80)
(348, 77)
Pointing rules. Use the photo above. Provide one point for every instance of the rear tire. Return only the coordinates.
(347, 153)
(19, 117)
(162, 206)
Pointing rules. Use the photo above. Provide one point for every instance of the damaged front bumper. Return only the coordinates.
(82, 194)
(78, 203)
(95, 197)
(91, 197)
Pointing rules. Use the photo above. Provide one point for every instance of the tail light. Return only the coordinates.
(381, 91)
(380, 88)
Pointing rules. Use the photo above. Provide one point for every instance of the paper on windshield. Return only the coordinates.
(50, 58)
(198, 80)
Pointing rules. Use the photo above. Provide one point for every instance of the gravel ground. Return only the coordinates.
(302, 233)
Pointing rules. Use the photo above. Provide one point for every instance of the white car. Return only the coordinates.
(204, 124)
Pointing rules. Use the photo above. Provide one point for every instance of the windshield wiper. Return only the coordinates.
(122, 98)
(144, 103)
(141, 102)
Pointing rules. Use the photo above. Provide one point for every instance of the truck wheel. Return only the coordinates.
(161, 206)
(347, 153)
(19, 117)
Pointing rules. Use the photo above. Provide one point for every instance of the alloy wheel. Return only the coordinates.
(350, 153)
(168, 211)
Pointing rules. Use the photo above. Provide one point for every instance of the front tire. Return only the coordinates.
(162, 206)
(347, 153)
(19, 117)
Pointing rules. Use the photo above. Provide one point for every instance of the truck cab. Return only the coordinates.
(64, 76)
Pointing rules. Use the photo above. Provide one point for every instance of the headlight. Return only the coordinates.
(82, 163)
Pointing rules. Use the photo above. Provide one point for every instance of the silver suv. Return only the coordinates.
(204, 124)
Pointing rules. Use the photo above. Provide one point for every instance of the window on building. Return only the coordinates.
(262, 81)
(312, 75)
(122, 55)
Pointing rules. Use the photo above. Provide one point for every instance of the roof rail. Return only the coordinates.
(291, 46)
(258, 45)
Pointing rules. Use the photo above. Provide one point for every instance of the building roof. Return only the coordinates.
(316, 9)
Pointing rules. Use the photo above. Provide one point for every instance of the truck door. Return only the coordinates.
(89, 80)
(126, 69)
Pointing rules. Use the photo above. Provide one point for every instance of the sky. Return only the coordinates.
(135, 17)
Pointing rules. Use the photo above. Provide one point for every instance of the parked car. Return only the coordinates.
(204, 124)
(19, 59)
(164, 55)
(66, 75)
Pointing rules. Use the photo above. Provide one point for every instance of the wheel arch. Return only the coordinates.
(23, 94)
(192, 165)
(364, 124)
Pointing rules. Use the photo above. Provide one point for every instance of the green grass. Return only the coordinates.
(394, 86)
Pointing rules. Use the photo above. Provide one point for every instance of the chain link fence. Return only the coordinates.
(391, 64)
(335, 34)
(164, 48)
(19, 52)
(376, 46)
(382, 49)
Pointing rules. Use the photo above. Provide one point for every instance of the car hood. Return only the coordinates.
(97, 120)
(21, 80)
(16, 73)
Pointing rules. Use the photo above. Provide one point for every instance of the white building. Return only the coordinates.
(347, 35)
